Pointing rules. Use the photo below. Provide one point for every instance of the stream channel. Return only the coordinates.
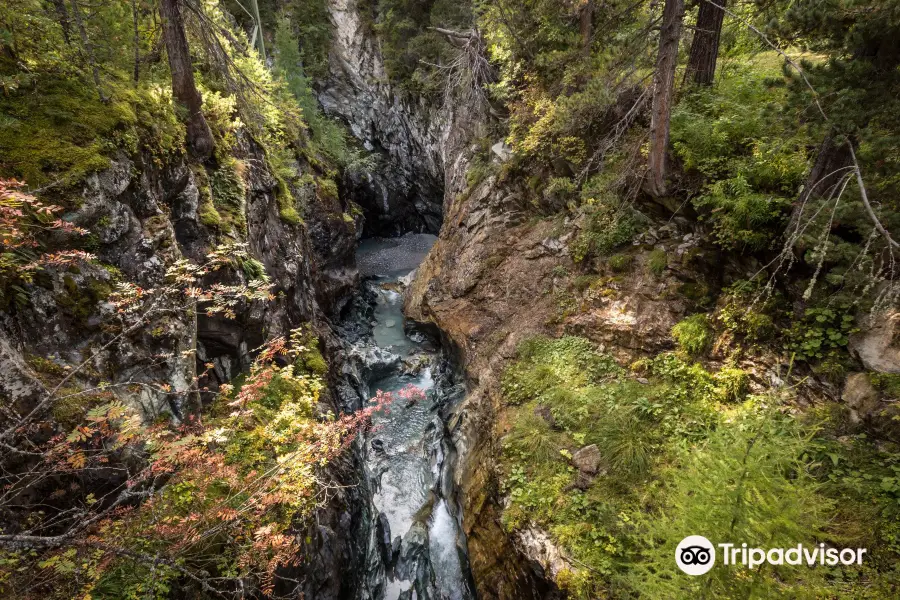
(415, 547)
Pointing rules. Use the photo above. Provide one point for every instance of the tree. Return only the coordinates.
(663, 91)
(199, 135)
(705, 46)
(750, 481)
(88, 48)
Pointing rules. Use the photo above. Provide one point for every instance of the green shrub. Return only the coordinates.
(745, 311)
(749, 481)
(889, 383)
(326, 135)
(606, 228)
(821, 332)
(252, 268)
(752, 158)
(731, 384)
(693, 334)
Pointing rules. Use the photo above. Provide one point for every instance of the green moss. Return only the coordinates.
(70, 408)
(45, 367)
(327, 188)
(545, 362)
(222, 196)
(57, 129)
(693, 334)
(620, 263)
(80, 302)
(697, 292)
(584, 282)
(657, 262)
(289, 214)
(208, 214)
(889, 383)
(731, 384)
(313, 362)
(287, 210)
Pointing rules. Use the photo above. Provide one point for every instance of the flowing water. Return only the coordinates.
(415, 546)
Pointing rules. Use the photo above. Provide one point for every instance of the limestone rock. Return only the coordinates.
(588, 459)
(860, 396)
(878, 347)
(540, 548)
(502, 151)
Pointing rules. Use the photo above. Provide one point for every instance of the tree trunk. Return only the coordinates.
(586, 26)
(829, 169)
(137, 41)
(88, 49)
(705, 47)
(199, 136)
(663, 91)
(62, 16)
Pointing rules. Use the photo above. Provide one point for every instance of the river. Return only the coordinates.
(415, 545)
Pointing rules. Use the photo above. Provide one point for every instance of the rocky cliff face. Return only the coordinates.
(144, 217)
(413, 140)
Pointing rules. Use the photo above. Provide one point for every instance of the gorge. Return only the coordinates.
(439, 300)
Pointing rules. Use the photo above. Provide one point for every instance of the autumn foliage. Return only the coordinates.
(209, 503)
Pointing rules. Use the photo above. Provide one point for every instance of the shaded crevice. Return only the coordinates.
(395, 199)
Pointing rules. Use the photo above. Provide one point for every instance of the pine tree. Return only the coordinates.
(200, 139)
(747, 483)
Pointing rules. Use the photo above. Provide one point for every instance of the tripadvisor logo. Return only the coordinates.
(696, 555)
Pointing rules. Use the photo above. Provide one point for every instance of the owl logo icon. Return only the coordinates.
(695, 555)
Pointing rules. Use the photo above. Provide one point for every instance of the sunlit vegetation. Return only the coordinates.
(684, 449)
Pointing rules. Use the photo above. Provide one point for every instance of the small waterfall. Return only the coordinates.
(415, 547)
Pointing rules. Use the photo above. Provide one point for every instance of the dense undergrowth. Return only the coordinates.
(682, 450)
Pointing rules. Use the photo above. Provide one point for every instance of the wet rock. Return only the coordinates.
(404, 191)
(413, 551)
(588, 459)
(383, 535)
